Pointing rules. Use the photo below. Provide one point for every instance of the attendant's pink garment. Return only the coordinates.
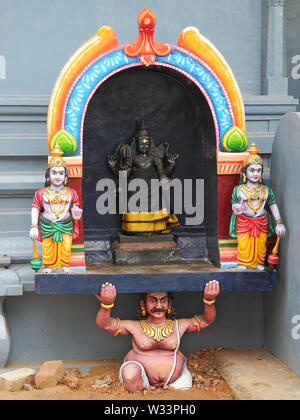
(38, 203)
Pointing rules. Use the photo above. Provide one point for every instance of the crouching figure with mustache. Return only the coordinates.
(155, 359)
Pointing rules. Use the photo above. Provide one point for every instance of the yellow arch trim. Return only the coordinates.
(193, 41)
(103, 41)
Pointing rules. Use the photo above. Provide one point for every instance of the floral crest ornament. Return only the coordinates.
(145, 45)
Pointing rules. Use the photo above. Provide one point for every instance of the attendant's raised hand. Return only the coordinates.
(107, 294)
(212, 290)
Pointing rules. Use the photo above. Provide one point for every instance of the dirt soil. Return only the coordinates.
(77, 385)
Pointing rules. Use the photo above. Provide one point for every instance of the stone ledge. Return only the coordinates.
(254, 374)
(16, 280)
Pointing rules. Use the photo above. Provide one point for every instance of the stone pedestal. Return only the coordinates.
(146, 250)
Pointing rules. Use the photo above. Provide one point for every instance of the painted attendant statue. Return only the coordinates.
(251, 222)
(155, 359)
(54, 216)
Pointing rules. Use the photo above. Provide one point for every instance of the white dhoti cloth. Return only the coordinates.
(184, 381)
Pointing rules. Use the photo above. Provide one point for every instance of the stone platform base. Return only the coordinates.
(146, 250)
(254, 374)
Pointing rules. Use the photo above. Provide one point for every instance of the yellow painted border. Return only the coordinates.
(103, 41)
(193, 41)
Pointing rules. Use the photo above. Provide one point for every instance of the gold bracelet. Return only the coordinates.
(209, 302)
(278, 221)
(117, 330)
(32, 226)
(107, 306)
(197, 324)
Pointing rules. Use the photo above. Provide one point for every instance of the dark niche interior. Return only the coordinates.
(176, 112)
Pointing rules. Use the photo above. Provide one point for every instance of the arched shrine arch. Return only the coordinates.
(196, 60)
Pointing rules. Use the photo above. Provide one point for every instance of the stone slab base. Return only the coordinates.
(145, 239)
(149, 255)
(254, 374)
(146, 250)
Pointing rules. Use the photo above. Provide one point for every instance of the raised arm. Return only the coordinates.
(199, 322)
(107, 298)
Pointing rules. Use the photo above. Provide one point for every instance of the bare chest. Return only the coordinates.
(143, 342)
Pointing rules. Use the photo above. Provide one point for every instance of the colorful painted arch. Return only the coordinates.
(192, 40)
(104, 40)
(100, 58)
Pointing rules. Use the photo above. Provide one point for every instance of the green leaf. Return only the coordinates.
(66, 142)
(235, 140)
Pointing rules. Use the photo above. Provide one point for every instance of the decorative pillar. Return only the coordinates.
(5, 338)
(273, 80)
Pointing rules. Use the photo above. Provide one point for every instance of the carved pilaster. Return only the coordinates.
(274, 81)
(274, 3)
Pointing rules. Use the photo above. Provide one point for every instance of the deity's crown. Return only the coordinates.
(142, 131)
(56, 159)
(253, 158)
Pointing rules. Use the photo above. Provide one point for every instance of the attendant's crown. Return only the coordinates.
(56, 159)
(253, 158)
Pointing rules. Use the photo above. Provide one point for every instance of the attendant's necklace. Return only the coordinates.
(55, 197)
(251, 193)
(157, 333)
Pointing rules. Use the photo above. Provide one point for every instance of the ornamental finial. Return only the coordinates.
(145, 45)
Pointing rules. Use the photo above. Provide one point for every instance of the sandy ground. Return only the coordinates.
(78, 385)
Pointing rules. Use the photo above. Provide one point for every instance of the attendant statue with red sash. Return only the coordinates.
(253, 205)
(54, 216)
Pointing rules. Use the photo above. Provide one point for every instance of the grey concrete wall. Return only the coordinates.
(282, 308)
(64, 327)
(292, 15)
(37, 36)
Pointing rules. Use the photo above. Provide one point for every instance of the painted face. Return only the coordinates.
(57, 176)
(143, 145)
(157, 304)
(254, 172)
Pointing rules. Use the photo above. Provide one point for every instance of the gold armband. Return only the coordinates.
(117, 331)
(107, 306)
(209, 302)
(197, 324)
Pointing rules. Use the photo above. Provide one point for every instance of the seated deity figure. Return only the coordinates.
(54, 216)
(142, 160)
(251, 221)
(155, 359)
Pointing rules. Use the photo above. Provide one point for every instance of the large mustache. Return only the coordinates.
(158, 310)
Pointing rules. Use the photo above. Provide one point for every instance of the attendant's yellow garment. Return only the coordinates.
(252, 240)
(57, 254)
(252, 251)
(145, 223)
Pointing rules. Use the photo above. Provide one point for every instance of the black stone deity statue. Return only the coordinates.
(148, 168)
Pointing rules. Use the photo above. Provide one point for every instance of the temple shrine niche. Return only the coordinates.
(188, 98)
